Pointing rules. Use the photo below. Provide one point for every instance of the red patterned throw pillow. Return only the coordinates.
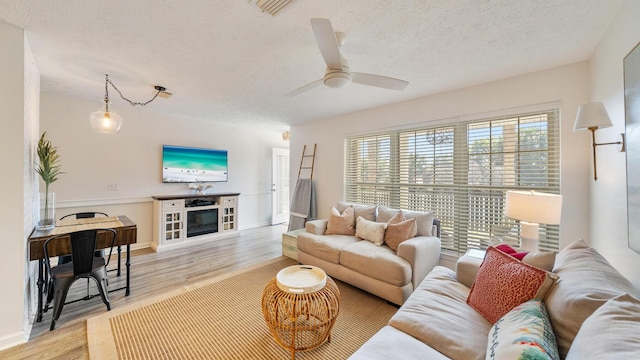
(503, 282)
(511, 251)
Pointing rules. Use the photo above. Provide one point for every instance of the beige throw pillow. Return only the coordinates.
(620, 317)
(398, 230)
(370, 230)
(341, 224)
(368, 212)
(424, 220)
(587, 281)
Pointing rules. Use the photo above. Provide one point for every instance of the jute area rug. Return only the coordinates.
(221, 318)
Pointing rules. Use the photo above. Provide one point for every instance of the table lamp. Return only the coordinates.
(532, 208)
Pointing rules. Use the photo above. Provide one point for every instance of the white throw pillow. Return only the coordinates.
(370, 230)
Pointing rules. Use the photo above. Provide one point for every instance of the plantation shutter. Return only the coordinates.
(370, 169)
(460, 172)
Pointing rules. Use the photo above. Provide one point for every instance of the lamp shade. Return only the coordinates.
(592, 115)
(534, 207)
(104, 121)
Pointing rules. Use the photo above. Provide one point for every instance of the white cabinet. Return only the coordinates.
(228, 213)
(179, 220)
(173, 220)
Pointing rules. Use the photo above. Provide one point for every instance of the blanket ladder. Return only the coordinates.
(304, 165)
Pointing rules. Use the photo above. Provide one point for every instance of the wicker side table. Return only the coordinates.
(300, 320)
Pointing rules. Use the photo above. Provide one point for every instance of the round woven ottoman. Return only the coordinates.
(300, 306)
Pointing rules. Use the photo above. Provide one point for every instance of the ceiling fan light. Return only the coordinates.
(106, 122)
(337, 80)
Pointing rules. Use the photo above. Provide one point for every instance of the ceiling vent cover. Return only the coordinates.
(271, 6)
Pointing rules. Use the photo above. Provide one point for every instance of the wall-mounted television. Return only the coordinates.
(182, 164)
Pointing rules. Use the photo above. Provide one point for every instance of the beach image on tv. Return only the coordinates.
(183, 164)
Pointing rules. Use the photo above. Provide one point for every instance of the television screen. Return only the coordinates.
(190, 165)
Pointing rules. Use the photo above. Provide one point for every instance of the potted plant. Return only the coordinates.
(48, 168)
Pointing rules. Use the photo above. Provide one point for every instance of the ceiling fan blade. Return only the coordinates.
(326, 39)
(378, 81)
(309, 86)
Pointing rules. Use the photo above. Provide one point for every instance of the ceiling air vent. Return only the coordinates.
(271, 6)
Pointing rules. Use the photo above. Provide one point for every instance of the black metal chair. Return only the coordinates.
(84, 264)
(85, 215)
(81, 215)
(89, 215)
(100, 253)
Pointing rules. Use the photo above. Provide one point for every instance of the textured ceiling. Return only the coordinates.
(226, 61)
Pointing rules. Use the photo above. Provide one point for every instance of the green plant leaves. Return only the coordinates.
(48, 167)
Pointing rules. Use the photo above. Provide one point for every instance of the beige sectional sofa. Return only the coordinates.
(374, 268)
(593, 311)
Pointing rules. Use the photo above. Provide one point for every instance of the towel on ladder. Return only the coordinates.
(303, 204)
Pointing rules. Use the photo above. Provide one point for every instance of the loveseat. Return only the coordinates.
(591, 312)
(350, 246)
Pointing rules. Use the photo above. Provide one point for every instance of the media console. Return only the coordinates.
(180, 219)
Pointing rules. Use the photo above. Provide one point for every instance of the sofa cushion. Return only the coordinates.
(325, 247)
(391, 343)
(398, 230)
(587, 281)
(620, 317)
(370, 231)
(341, 223)
(366, 211)
(378, 262)
(503, 282)
(386, 213)
(437, 314)
(523, 333)
(424, 220)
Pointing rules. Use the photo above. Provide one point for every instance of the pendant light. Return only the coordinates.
(103, 120)
(108, 122)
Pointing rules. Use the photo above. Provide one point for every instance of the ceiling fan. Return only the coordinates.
(338, 74)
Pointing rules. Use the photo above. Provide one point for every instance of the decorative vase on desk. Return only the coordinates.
(48, 168)
(47, 211)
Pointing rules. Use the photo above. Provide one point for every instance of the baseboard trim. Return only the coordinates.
(12, 340)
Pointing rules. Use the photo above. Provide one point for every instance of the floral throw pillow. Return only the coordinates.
(523, 333)
(503, 282)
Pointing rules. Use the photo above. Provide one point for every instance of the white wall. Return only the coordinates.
(132, 159)
(567, 84)
(30, 184)
(609, 193)
(17, 103)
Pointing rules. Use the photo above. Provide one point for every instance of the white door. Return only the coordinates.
(280, 186)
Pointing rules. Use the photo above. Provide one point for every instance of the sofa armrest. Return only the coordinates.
(467, 268)
(317, 227)
(423, 253)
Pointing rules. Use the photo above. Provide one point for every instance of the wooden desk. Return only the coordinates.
(125, 235)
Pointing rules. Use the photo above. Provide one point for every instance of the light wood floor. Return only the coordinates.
(151, 274)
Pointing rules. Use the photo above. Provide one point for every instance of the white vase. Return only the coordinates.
(47, 220)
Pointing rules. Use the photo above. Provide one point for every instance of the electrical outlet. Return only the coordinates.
(113, 187)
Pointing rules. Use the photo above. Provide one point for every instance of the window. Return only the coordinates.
(461, 172)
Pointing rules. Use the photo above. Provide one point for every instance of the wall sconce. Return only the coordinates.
(593, 116)
(532, 208)
(286, 135)
(108, 122)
